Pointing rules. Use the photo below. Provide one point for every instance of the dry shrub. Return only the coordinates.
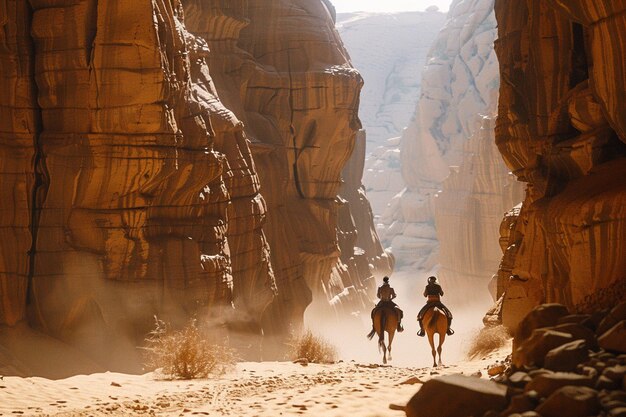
(185, 354)
(313, 348)
(488, 340)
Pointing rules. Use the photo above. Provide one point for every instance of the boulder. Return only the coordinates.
(574, 318)
(496, 369)
(615, 373)
(617, 412)
(614, 339)
(534, 349)
(579, 331)
(571, 401)
(617, 314)
(520, 404)
(519, 379)
(457, 395)
(568, 356)
(546, 384)
(544, 315)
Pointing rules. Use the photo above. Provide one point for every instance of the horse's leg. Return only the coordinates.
(442, 338)
(381, 344)
(391, 334)
(431, 340)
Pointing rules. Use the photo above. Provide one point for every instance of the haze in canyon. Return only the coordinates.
(249, 170)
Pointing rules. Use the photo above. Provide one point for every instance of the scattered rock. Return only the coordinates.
(574, 318)
(618, 412)
(521, 403)
(496, 369)
(519, 379)
(579, 331)
(412, 381)
(544, 315)
(546, 384)
(455, 395)
(302, 361)
(571, 401)
(397, 407)
(568, 356)
(534, 349)
(617, 314)
(115, 384)
(614, 339)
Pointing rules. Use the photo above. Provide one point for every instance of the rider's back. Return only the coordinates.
(433, 289)
(385, 292)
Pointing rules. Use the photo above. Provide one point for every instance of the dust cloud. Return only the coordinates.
(408, 349)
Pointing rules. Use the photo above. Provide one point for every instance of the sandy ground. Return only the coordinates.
(251, 389)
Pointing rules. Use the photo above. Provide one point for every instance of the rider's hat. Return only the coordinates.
(432, 279)
(386, 279)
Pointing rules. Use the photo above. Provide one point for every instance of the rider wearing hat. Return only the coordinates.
(433, 292)
(386, 294)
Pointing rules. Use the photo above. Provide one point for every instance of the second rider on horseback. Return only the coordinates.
(433, 292)
(386, 294)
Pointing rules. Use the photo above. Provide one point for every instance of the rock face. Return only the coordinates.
(132, 178)
(468, 213)
(561, 129)
(389, 50)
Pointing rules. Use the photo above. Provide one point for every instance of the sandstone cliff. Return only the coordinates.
(136, 139)
(561, 130)
(468, 212)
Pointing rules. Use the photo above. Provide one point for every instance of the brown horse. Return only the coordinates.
(435, 322)
(385, 320)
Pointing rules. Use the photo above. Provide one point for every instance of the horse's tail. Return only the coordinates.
(371, 334)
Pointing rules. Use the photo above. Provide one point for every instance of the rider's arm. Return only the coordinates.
(393, 294)
(378, 293)
(441, 291)
(425, 293)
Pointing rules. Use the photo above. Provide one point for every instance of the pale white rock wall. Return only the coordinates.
(459, 86)
(389, 50)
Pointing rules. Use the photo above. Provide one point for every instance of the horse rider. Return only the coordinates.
(386, 294)
(433, 292)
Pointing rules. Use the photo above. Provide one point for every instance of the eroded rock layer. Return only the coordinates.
(468, 213)
(282, 68)
(560, 129)
(131, 189)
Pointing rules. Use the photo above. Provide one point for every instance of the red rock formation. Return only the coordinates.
(282, 68)
(19, 122)
(138, 187)
(561, 129)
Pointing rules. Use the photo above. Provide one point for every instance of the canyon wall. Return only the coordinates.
(173, 159)
(468, 212)
(561, 130)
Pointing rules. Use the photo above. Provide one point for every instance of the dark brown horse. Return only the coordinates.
(436, 322)
(385, 320)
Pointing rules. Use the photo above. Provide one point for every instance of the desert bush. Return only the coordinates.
(313, 348)
(185, 354)
(488, 340)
